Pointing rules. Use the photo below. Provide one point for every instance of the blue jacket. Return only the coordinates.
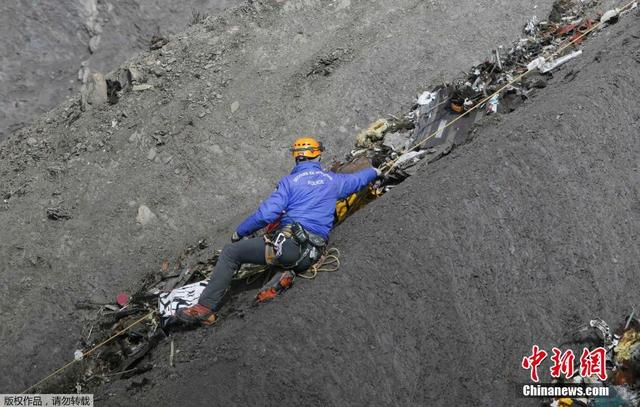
(308, 195)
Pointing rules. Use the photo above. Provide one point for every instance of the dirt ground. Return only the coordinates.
(179, 150)
(43, 44)
(514, 239)
(494, 254)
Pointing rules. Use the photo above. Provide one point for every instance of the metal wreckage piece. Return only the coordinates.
(426, 131)
(138, 325)
(421, 136)
(622, 361)
(622, 348)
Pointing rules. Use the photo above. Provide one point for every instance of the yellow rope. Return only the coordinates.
(329, 262)
(90, 351)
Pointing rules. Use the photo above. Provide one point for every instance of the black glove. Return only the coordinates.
(235, 237)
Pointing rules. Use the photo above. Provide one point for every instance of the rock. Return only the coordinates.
(94, 42)
(122, 76)
(235, 106)
(152, 154)
(158, 42)
(134, 137)
(31, 141)
(158, 71)
(215, 148)
(145, 216)
(135, 75)
(94, 91)
(58, 214)
(166, 158)
(142, 87)
(83, 72)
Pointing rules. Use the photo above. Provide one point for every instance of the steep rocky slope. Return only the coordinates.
(44, 44)
(203, 145)
(447, 281)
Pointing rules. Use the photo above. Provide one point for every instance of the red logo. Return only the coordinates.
(562, 363)
(594, 362)
(591, 363)
(532, 362)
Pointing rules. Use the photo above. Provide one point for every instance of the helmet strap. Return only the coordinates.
(303, 159)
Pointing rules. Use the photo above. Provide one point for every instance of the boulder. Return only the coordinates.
(145, 216)
(94, 91)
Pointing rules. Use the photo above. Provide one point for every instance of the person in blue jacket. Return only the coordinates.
(304, 205)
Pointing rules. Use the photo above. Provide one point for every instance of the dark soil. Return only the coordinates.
(72, 183)
(514, 239)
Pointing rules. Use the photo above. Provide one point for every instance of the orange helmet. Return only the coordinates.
(306, 147)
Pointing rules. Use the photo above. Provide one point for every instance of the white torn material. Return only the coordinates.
(169, 303)
(410, 158)
(536, 63)
(397, 141)
(610, 16)
(545, 66)
(532, 26)
(427, 98)
(441, 127)
(492, 105)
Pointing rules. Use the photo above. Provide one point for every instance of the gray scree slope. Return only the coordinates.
(179, 150)
(515, 239)
(43, 44)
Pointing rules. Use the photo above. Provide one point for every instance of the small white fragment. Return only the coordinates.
(78, 355)
(610, 15)
(427, 98)
(139, 88)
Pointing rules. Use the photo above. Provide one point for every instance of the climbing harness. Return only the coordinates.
(277, 245)
(309, 245)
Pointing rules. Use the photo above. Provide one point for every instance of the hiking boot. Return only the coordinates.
(280, 282)
(266, 294)
(196, 314)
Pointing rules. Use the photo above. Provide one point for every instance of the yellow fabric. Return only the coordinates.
(353, 202)
(630, 340)
(374, 133)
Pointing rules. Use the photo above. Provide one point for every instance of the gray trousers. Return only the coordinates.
(245, 251)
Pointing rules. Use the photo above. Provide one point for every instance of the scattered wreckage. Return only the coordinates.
(440, 119)
(622, 364)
